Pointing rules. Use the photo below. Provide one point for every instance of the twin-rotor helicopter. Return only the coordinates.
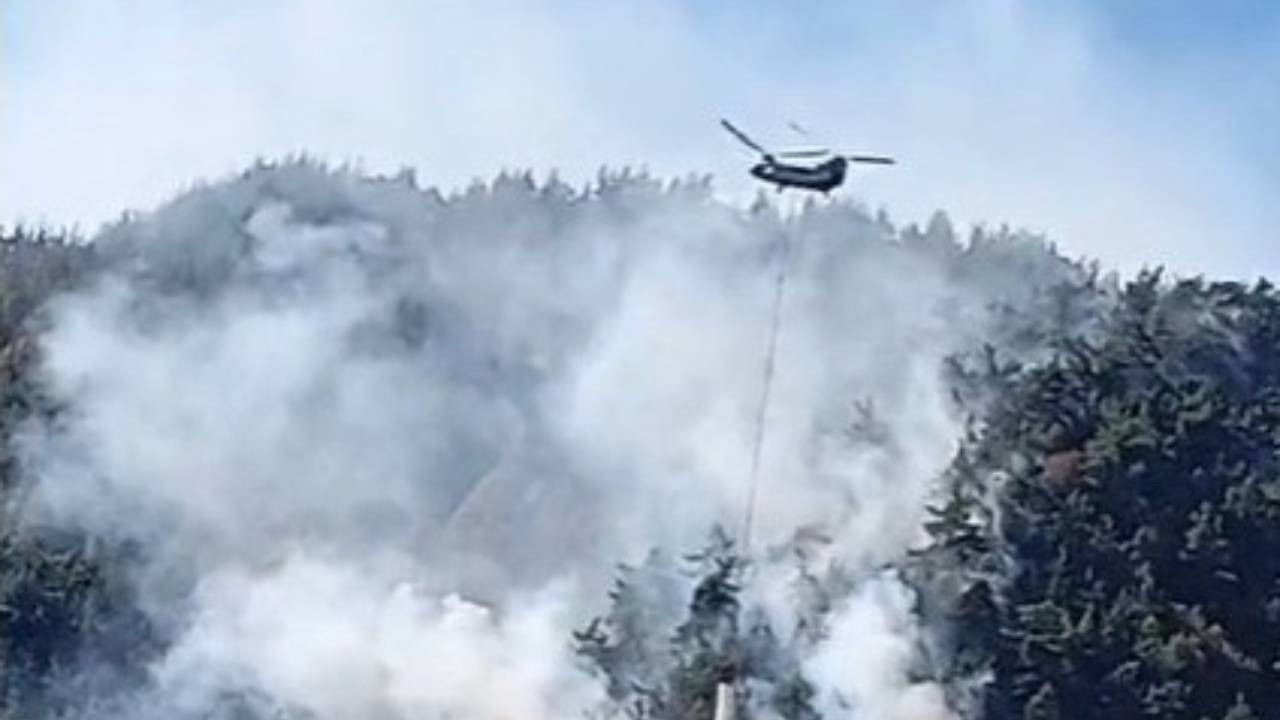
(823, 177)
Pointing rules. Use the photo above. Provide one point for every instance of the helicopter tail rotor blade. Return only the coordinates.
(742, 137)
(797, 128)
(874, 159)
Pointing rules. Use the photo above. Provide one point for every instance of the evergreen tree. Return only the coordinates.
(1124, 516)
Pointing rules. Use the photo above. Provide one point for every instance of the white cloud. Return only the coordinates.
(1000, 110)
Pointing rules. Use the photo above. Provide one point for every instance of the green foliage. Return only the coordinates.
(1119, 508)
(58, 607)
(672, 675)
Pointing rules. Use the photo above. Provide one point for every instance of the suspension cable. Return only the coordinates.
(780, 287)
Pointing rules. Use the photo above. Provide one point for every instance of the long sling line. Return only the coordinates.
(780, 287)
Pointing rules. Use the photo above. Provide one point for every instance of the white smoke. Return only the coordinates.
(868, 661)
(381, 449)
(339, 642)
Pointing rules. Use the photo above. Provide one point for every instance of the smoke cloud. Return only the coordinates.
(380, 449)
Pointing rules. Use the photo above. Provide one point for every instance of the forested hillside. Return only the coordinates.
(1115, 515)
(304, 429)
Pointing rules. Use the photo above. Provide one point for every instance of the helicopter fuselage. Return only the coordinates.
(822, 178)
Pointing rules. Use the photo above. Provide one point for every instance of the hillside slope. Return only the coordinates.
(1115, 520)
(305, 443)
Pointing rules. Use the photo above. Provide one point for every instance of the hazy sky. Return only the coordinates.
(1136, 132)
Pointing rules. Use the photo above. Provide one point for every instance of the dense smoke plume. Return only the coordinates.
(379, 449)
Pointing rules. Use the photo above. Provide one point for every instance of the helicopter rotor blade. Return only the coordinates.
(874, 159)
(742, 137)
(803, 153)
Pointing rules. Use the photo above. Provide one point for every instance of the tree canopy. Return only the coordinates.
(1114, 519)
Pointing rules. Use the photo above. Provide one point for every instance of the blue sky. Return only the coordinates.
(1137, 132)
(1164, 27)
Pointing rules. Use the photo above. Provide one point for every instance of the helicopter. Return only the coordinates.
(823, 177)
